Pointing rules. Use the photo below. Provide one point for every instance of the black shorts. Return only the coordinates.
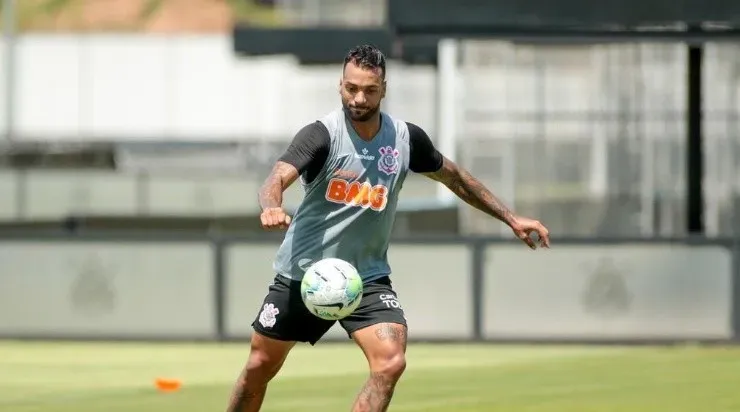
(283, 316)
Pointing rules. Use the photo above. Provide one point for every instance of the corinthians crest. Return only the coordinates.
(92, 290)
(606, 293)
(388, 162)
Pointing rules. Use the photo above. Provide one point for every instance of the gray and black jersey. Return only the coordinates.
(351, 190)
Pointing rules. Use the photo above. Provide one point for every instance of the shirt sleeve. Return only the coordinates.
(425, 158)
(308, 150)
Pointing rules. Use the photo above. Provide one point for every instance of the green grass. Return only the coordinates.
(87, 377)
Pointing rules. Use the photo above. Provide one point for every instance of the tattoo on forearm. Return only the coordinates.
(473, 192)
(271, 192)
(376, 394)
(481, 198)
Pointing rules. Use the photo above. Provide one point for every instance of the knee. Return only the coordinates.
(391, 366)
(262, 366)
(264, 360)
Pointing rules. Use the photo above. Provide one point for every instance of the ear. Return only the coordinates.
(339, 87)
(385, 86)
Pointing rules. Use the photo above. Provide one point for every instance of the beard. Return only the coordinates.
(360, 114)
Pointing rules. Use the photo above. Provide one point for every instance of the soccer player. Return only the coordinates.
(352, 164)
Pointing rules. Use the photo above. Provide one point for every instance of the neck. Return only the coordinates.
(367, 129)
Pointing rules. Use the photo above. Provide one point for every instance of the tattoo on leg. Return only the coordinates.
(376, 395)
(391, 332)
(244, 399)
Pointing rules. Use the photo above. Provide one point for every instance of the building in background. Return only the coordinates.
(176, 108)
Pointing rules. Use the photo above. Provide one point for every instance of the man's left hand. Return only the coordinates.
(524, 227)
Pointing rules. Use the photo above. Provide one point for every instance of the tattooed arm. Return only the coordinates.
(472, 191)
(271, 196)
(280, 178)
(427, 160)
(305, 157)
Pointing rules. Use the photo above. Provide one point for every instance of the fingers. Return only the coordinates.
(544, 236)
(274, 219)
(524, 236)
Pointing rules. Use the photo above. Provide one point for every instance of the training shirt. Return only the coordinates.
(351, 188)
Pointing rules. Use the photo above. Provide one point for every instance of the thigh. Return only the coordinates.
(284, 317)
(379, 305)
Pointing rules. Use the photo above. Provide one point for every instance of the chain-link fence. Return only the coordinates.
(591, 138)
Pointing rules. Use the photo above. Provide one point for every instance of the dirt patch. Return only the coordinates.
(165, 16)
(192, 16)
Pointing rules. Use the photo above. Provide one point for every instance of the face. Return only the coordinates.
(362, 91)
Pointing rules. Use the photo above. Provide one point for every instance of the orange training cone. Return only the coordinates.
(167, 385)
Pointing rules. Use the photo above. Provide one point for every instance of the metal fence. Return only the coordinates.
(590, 136)
(154, 287)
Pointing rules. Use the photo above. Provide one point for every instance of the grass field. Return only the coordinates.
(87, 377)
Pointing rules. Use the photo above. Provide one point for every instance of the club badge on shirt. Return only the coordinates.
(388, 162)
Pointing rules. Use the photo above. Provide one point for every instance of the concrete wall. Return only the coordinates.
(155, 288)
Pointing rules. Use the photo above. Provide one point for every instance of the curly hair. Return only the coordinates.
(366, 56)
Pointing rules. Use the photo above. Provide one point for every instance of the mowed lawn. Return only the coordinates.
(87, 377)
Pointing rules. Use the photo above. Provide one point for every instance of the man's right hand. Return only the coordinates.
(274, 218)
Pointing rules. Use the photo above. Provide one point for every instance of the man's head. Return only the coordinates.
(362, 86)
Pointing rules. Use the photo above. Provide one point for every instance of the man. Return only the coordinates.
(352, 164)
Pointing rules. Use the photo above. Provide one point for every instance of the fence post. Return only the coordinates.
(219, 287)
(735, 292)
(477, 256)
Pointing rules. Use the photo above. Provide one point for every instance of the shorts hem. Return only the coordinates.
(269, 334)
(282, 338)
(354, 327)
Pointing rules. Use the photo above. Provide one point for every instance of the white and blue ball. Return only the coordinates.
(331, 289)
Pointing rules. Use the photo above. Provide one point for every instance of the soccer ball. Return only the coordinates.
(331, 289)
